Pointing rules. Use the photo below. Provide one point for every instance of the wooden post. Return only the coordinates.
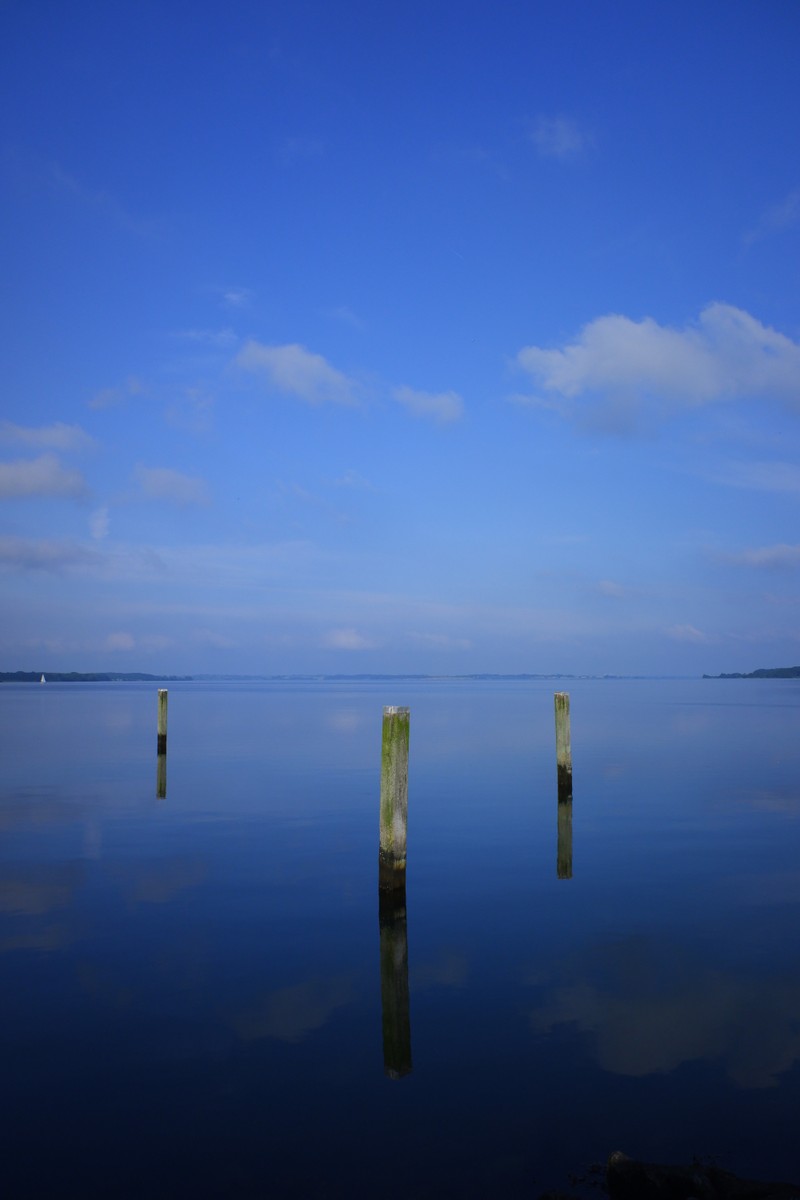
(394, 799)
(563, 746)
(395, 1004)
(162, 720)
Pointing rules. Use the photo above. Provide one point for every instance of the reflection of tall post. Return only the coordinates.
(395, 1003)
(394, 800)
(564, 865)
(161, 777)
(563, 746)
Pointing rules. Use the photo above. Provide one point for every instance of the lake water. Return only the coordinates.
(191, 987)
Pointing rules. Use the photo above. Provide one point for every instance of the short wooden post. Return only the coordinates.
(395, 1004)
(563, 746)
(162, 720)
(394, 799)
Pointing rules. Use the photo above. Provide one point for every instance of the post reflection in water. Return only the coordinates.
(395, 1003)
(564, 852)
(161, 777)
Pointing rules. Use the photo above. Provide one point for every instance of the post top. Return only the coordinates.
(394, 710)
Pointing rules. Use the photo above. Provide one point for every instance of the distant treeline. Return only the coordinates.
(87, 677)
(761, 673)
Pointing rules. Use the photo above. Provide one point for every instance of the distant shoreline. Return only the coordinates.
(139, 677)
(762, 673)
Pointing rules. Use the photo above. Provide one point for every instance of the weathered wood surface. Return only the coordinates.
(394, 799)
(563, 746)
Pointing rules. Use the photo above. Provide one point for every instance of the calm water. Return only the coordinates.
(191, 989)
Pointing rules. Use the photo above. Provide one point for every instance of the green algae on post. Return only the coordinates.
(162, 720)
(394, 798)
(563, 746)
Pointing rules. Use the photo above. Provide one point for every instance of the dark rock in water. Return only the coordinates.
(630, 1180)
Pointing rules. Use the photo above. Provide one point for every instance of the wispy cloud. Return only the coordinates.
(607, 587)
(779, 557)
(44, 554)
(217, 339)
(99, 523)
(618, 370)
(347, 639)
(777, 219)
(163, 483)
(111, 397)
(47, 437)
(346, 316)
(760, 476)
(296, 371)
(43, 476)
(686, 633)
(99, 201)
(442, 407)
(560, 138)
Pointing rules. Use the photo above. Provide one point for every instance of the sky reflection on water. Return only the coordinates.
(192, 987)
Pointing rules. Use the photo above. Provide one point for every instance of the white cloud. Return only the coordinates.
(769, 557)
(47, 437)
(43, 476)
(443, 407)
(296, 371)
(237, 297)
(162, 483)
(625, 368)
(347, 639)
(44, 554)
(559, 137)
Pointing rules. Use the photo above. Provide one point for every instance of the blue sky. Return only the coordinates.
(436, 337)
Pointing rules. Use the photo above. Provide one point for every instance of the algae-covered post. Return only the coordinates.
(394, 799)
(162, 720)
(563, 746)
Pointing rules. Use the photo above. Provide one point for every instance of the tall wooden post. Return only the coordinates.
(162, 720)
(563, 746)
(161, 764)
(394, 799)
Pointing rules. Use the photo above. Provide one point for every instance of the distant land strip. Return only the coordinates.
(87, 677)
(138, 677)
(761, 673)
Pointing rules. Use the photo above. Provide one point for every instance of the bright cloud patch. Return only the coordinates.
(295, 371)
(686, 633)
(442, 407)
(622, 368)
(43, 476)
(162, 483)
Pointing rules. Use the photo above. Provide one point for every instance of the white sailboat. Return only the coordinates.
(43, 680)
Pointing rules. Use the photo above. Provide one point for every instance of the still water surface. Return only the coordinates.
(191, 990)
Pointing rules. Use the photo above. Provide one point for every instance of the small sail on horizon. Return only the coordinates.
(43, 680)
